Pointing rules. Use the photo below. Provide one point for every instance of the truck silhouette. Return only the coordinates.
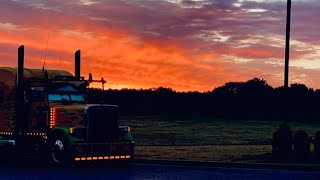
(44, 112)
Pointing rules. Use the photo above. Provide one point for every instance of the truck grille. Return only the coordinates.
(102, 122)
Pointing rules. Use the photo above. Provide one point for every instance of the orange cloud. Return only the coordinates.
(125, 60)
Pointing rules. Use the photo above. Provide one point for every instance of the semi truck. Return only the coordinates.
(45, 113)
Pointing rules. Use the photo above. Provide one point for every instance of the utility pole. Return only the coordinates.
(287, 52)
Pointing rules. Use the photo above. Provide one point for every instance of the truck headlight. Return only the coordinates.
(124, 128)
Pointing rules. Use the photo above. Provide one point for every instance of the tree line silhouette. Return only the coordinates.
(254, 99)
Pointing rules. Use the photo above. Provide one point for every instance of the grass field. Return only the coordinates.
(205, 138)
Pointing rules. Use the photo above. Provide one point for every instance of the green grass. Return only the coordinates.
(205, 138)
(168, 131)
(225, 153)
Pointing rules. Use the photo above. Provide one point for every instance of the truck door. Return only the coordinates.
(38, 109)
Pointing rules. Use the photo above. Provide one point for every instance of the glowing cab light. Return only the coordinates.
(128, 157)
(95, 158)
(117, 157)
(106, 157)
(70, 130)
(100, 158)
(89, 158)
(52, 117)
(122, 157)
(83, 159)
(77, 159)
(111, 157)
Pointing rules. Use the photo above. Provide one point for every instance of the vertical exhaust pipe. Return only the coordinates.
(20, 123)
(77, 63)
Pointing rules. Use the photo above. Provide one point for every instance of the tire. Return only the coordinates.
(59, 150)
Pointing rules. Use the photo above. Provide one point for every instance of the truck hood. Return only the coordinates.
(71, 115)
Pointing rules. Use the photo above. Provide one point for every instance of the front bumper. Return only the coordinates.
(103, 151)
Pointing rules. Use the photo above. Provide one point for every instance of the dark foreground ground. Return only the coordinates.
(147, 171)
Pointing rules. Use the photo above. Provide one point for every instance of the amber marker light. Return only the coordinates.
(128, 157)
(52, 117)
(95, 158)
(106, 157)
(122, 157)
(77, 159)
(100, 158)
(111, 157)
(83, 159)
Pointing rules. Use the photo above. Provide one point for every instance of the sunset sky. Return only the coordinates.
(187, 45)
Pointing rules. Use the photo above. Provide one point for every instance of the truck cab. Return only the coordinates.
(46, 111)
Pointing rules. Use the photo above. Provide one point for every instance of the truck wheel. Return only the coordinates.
(59, 150)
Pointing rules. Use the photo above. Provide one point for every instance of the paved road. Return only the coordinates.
(143, 171)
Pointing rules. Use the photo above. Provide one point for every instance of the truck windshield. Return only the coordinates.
(66, 97)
